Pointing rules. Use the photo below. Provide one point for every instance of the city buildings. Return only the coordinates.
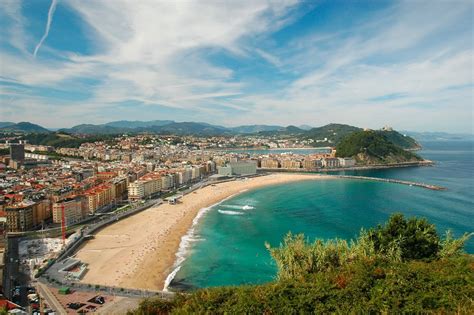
(75, 209)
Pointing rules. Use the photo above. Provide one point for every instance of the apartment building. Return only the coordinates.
(19, 217)
(99, 196)
(144, 188)
(310, 164)
(290, 163)
(75, 209)
(270, 163)
(331, 162)
(347, 162)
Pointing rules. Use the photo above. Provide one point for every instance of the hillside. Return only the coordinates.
(138, 123)
(401, 267)
(401, 140)
(6, 124)
(373, 147)
(255, 128)
(283, 131)
(60, 139)
(329, 135)
(24, 127)
(89, 129)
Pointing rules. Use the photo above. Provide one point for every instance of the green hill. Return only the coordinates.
(23, 127)
(329, 135)
(373, 147)
(403, 141)
(402, 267)
(61, 139)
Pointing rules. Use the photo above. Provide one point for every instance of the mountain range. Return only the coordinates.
(328, 135)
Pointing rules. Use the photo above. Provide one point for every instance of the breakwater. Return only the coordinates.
(395, 181)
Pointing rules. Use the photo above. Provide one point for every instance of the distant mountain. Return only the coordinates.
(373, 147)
(26, 127)
(305, 127)
(138, 124)
(186, 128)
(328, 135)
(255, 128)
(439, 136)
(89, 129)
(6, 124)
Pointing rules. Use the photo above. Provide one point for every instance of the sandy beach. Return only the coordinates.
(139, 251)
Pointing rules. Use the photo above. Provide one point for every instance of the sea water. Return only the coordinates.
(230, 237)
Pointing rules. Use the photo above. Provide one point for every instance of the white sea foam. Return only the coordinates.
(185, 243)
(238, 207)
(230, 212)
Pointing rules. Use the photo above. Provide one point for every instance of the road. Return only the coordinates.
(50, 299)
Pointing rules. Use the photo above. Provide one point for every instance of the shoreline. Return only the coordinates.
(143, 250)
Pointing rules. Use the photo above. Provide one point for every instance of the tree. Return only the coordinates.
(415, 238)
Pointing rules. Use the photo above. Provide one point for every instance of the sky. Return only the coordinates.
(406, 64)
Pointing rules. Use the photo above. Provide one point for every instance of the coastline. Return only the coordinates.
(144, 249)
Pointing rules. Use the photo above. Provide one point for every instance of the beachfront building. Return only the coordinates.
(331, 162)
(144, 188)
(99, 196)
(195, 173)
(243, 167)
(289, 163)
(239, 168)
(119, 186)
(311, 164)
(270, 163)
(347, 162)
(75, 209)
(167, 182)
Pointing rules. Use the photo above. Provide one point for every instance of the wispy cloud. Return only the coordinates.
(220, 62)
(51, 10)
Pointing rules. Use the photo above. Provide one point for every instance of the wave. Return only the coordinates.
(238, 207)
(186, 241)
(229, 212)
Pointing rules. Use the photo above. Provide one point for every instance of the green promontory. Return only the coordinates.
(373, 147)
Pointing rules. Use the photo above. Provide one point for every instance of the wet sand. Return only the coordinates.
(139, 251)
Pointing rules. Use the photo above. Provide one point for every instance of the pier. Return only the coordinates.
(391, 180)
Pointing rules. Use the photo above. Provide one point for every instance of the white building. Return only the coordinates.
(347, 162)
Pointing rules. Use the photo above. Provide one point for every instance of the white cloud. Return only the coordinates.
(160, 53)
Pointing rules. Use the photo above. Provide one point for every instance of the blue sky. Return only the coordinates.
(407, 64)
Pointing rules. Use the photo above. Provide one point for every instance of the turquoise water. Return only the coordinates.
(228, 244)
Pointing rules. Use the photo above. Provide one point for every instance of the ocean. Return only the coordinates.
(227, 246)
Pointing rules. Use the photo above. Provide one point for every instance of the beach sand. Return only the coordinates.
(139, 251)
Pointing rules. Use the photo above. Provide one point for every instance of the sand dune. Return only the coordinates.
(139, 251)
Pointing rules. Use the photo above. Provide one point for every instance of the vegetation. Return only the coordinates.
(332, 132)
(22, 127)
(400, 267)
(372, 147)
(63, 140)
(400, 140)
